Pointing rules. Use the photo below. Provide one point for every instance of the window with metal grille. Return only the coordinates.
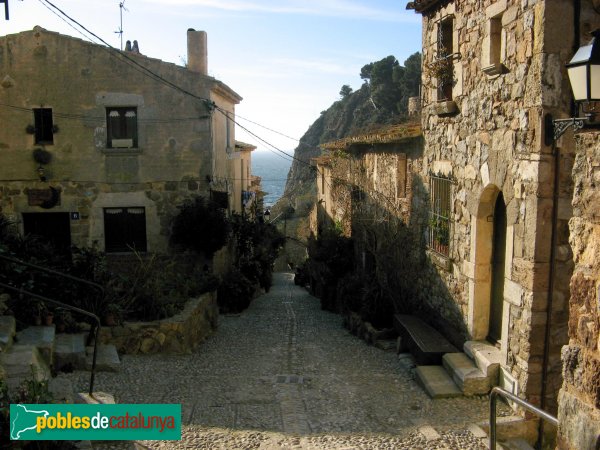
(121, 127)
(445, 48)
(125, 229)
(439, 214)
(44, 127)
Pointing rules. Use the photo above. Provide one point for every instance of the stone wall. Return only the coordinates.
(579, 408)
(508, 72)
(178, 137)
(176, 335)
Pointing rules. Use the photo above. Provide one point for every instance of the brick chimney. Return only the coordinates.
(197, 51)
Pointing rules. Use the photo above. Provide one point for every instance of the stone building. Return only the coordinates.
(493, 71)
(97, 146)
(579, 399)
(374, 168)
(366, 188)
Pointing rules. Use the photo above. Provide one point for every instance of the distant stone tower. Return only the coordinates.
(414, 107)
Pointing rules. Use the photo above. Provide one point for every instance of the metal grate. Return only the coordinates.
(439, 214)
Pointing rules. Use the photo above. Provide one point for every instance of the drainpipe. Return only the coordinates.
(555, 199)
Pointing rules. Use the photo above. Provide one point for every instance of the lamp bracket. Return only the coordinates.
(560, 126)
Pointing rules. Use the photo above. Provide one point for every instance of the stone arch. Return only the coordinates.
(480, 301)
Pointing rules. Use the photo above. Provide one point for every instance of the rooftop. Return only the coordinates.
(388, 134)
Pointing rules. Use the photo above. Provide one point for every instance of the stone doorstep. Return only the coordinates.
(436, 382)
(466, 374)
(514, 427)
(107, 358)
(69, 350)
(17, 362)
(40, 336)
(487, 357)
(7, 332)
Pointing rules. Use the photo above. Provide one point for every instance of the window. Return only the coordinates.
(439, 214)
(50, 227)
(121, 127)
(44, 127)
(495, 46)
(401, 177)
(125, 229)
(445, 49)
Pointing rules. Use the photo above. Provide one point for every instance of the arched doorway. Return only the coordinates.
(486, 300)
(497, 272)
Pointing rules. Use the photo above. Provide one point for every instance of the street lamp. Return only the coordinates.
(584, 77)
(267, 215)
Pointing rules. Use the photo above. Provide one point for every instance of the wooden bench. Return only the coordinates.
(425, 343)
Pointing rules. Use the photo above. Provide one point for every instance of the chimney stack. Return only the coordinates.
(197, 51)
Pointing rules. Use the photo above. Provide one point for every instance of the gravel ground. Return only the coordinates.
(286, 375)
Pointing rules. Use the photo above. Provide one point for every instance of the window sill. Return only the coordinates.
(494, 69)
(439, 260)
(122, 151)
(445, 107)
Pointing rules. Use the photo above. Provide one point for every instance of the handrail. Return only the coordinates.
(54, 272)
(96, 319)
(496, 391)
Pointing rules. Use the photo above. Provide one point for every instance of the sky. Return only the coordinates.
(288, 59)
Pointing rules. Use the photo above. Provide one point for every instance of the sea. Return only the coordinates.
(273, 170)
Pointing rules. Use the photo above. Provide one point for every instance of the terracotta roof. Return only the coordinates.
(390, 134)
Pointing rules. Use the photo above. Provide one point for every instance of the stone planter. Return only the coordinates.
(179, 334)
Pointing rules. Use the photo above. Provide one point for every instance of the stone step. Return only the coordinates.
(436, 382)
(107, 359)
(96, 398)
(515, 444)
(466, 374)
(62, 390)
(20, 361)
(514, 427)
(69, 352)
(487, 357)
(41, 337)
(8, 328)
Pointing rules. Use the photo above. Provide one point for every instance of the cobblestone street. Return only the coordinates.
(285, 374)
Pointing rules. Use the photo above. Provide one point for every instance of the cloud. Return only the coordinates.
(328, 8)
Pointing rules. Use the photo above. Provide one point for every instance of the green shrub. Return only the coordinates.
(200, 226)
(234, 293)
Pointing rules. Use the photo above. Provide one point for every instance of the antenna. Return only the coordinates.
(120, 32)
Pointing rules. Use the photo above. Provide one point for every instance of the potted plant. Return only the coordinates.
(42, 156)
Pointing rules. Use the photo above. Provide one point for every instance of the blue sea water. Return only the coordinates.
(273, 170)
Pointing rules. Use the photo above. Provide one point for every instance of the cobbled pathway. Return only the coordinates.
(286, 375)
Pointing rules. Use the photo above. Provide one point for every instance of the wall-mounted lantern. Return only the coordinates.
(584, 77)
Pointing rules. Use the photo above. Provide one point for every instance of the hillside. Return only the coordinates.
(382, 99)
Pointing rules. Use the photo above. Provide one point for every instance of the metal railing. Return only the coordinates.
(95, 330)
(497, 391)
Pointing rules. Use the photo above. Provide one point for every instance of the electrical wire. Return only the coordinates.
(210, 104)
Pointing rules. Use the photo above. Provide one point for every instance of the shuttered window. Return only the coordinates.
(121, 127)
(125, 229)
(44, 126)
